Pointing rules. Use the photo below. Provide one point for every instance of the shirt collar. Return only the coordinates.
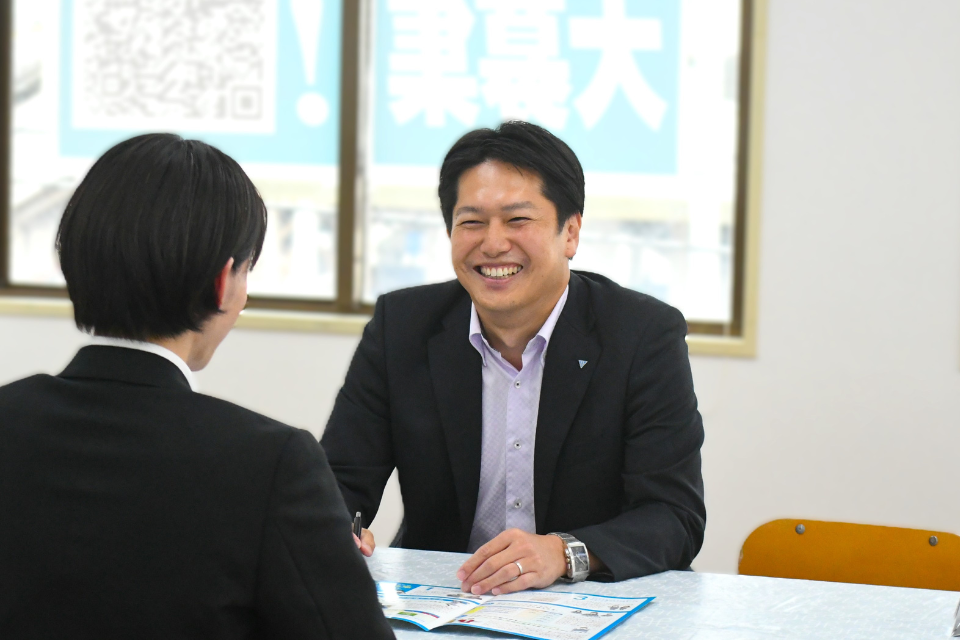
(478, 340)
(150, 347)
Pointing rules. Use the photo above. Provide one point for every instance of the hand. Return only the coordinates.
(367, 544)
(493, 567)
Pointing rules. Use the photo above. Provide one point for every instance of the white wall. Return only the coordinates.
(851, 411)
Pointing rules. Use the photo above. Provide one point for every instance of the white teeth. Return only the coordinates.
(499, 272)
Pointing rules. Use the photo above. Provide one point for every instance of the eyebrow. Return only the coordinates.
(513, 206)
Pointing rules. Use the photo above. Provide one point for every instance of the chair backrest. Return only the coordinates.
(858, 553)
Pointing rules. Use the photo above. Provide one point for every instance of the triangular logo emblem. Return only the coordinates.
(582, 362)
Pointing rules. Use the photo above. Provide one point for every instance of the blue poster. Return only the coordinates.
(260, 80)
(600, 74)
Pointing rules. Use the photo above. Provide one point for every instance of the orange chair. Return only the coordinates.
(858, 553)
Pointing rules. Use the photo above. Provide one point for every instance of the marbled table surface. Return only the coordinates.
(715, 606)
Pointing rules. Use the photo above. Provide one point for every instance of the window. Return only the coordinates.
(650, 95)
(258, 79)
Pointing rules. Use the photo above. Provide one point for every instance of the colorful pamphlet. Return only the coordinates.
(542, 615)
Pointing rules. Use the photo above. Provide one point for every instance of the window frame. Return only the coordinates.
(346, 313)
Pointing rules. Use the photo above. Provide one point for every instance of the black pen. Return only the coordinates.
(357, 525)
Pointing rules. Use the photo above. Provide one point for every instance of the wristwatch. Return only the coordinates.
(578, 560)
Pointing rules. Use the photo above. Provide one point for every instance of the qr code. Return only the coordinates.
(176, 65)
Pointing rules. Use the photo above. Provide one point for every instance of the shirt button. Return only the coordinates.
(517, 384)
(517, 445)
(517, 504)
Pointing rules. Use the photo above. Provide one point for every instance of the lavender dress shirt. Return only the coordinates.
(511, 401)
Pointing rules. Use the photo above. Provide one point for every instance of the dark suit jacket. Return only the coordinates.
(131, 507)
(617, 458)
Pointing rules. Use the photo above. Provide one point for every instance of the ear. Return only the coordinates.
(220, 283)
(572, 231)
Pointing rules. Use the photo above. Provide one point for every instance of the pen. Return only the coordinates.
(356, 525)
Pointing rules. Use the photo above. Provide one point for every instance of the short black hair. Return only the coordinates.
(148, 230)
(525, 146)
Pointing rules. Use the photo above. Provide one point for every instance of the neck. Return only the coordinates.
(509, 332)
(186, 345)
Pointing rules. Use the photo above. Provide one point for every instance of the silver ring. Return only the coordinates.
(519, 566)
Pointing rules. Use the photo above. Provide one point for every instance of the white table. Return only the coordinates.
(716, 606)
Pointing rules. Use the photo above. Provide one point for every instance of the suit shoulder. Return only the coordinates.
(205, 417)
(226, 412)
(611, 300)
(241, 432)
(24, 386)
(431, 295)
(419, 308)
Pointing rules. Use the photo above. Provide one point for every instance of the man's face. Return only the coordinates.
(506, 249)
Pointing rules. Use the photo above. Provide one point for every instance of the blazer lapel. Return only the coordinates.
(455, 368)
(564, 384)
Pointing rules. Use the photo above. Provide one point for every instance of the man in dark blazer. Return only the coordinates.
(523, 399)
(130, 505)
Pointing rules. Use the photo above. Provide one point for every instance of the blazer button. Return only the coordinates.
(517, 504)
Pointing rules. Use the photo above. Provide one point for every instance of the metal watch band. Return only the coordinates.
(578, 559)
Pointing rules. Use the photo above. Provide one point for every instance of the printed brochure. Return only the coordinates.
(542, 615)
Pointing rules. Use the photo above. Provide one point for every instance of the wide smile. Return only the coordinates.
(498, 272)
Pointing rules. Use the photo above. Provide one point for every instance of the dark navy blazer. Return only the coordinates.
(617, 457)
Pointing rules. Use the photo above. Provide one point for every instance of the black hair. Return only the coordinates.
(525, 146)
(148, 230)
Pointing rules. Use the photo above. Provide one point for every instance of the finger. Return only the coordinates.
(487, 569)
(508, 573)
(518, 547)
(367, 538)
(526, 581)
(364, 546)
(482, 554)
(504, 560)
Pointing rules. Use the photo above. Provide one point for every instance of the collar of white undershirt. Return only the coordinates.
(150, 347)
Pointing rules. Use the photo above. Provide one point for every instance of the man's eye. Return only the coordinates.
(519, 219)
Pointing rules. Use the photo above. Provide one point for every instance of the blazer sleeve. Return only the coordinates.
(663, 516)
(357, 438)
(312, 580)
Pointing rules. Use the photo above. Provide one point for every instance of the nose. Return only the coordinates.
(495, 240)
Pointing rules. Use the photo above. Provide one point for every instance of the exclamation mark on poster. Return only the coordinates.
(312, 108)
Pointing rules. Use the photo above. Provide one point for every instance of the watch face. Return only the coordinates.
(580, 557)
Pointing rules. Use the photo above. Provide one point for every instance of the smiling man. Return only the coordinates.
(541, 419)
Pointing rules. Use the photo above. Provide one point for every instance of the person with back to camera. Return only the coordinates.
(542, 419)
(130, 505)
